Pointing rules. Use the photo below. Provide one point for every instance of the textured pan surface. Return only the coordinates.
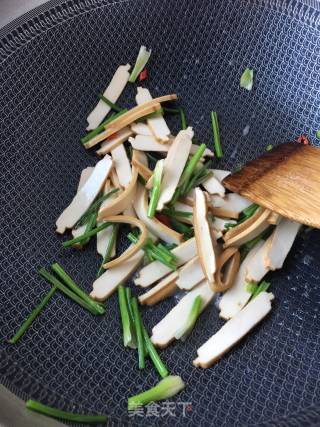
(53, 63)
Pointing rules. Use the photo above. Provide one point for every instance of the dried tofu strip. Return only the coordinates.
(213, 186)
(190, 274)
(164, 332)
(280, 243)
(228, 207)
(114, 141)
(108, 282)
(256, 267)
(157, 125)
(247, 230)
(233, 331)
(156, 227)
(141, 129)
(122, 165)
(83, 199)
(237, 297)
(174, 164)
(104, 236)
(113, 92)
(124, 200)
(85, 174)
(165, 288)
(148, 143)
(228, 264)
(156, 270)
(127, 118)
(274, 218)
(205, 245)
(143, 170)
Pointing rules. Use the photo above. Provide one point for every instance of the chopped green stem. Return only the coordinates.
(63, 415)
(64, 276)
(151, 157)
(141, 61)
(55, 282)
(166, 250)
(250, 210)
(154, 356)
(181, 228)
(262, 287)
(191, 320)
(190, 167)
(150, 116)
(92, 222)
(166, 388)
(111, 243)
(251, 287)
(125, 318)
(183, 119)
(246, 79)
(171, 110)
(318, 133)
(33, 315)
(84, 236)
(173, 213)
(197, 178)
(269, 147)
(113, 106)
(216, 134)
(155, 192)
(101, 127)
(94, 207)
(138, 326)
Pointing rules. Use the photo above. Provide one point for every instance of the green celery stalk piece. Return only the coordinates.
(216, 135)
(155, 192)
(33, 315)
(139, 334)
(141, 61)
(195, 311)
(246, 79)
(125, 317)
(84, 236)
(166, 388)
(111, 104)
(64, 415)
(262, 287)
(101, 127)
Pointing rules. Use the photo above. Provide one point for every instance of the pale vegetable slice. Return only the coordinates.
(156, 270)
(219, 224)
(164, 332)
(213, 186)
(125, 199)
(132, 249)
(148, 143)
(280, 243)
(85, 174)
(129, 117)
(104, 236)
(190, 274)
(256, 268)
(207, 151)
(85, 196)
(203, 236)
(143, 170)
(162, 290)
(141, 129)
(158, 125)
(247, 230)
(174, 164)
(220, 174)
(114, 141)
(183, 207)
(237, 297)
(228, 263)
(113, 91)
(228, 207)
(122, 165)
(108, 282)
(156, 227)
(234, 330)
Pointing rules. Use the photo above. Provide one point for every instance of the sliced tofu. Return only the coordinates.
(162, 290)
(122, 165)
(237, 297)
(280, 243)
(190, 274)
(219, 224)
(228, 207)
(183, 207)
(174, 164)
(164, 332)
(256, 267)
(156, 270)
(213, 186)
(157, 125)
(104, 236)
(148, 143)
(85, 196)
(220, 174)
(140, 128)
(112, 92)
(233, 331)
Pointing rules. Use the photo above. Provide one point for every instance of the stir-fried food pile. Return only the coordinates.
(187, 233)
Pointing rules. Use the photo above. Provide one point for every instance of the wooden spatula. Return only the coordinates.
(285, 180)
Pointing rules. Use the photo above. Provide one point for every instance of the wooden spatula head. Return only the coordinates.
(285, 180)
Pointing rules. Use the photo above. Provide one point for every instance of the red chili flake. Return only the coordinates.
(143, 75)
(303, 139)
(164, 219)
